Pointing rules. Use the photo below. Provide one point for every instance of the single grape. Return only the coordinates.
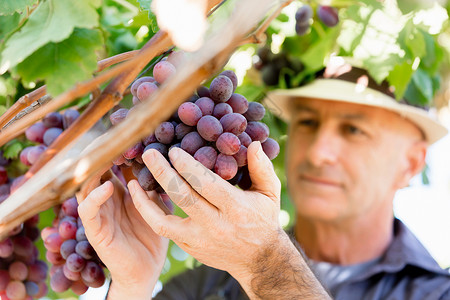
(165, 132)
(53, 119)
(74, 276)
(37, 272)
(138, 82)
(53, 242)
(70, 207)
(85, 250)
(245, 139)
(226, 166)
(177, 58)
(230, 74)
(6, 248)
(238, 103)
(209, 128)
(91, 272)
(189, 113)
(149, 139)
(206, 156)
(241, 156)
(16, 290)
(67, 248)
(159, 147)
(43, 290)
(79, 288)
(59, 282)
(237, 178)
(221, 88)
(255, 111)
(47, 231)
(70, 115)
(203, 91)
(221, 110)
(134, 151)
(35, 132)
(118, 116)
(328, 15)
(228, 143)
(182, 129)
(75, 262)
(163, 70)
(34, 153)
(81, 235)
(145, 90)
(32, 288)
(24, 156)
(304, 14)
(257, 131)
(146, 180)
(23, 246)
(271, 148)
(245, 183)
(206, 105)
(18, 271)
(301, 28)
(54, 258)
(234, 123)
(51, 135)
(192, 142)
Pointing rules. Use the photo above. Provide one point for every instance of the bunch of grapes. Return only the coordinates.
(303, 17)
(45, 132)
(272, 65)
(215, 126)
(74, 262)
(22, 274)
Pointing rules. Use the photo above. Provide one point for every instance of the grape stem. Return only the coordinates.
(259, 35)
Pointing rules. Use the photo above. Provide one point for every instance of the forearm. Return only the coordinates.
(280, 272)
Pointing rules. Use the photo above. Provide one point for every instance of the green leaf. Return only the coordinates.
(399, 77)
(65, 63)
(7, 25)
(8, 7)
(52, 21)
(413, 40)
(146, 5)
(414, 96)
(283, 18)
(424, 83)
(12, 150)
(379, 67)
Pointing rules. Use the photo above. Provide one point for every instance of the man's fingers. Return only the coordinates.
(88, 209)
(262, 174)
(93, 182)
(168, 226)
(174, 185)
(211, 186)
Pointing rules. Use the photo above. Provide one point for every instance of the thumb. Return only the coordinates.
(262, 174)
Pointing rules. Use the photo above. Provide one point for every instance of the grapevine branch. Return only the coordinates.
(63, 177)
(32, 97)
(35, 105)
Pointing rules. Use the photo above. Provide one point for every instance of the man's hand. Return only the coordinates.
(132, 252)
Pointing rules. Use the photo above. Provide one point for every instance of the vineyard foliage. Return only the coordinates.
(58, 43)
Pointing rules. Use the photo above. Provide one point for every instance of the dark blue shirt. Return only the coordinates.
(405, 271)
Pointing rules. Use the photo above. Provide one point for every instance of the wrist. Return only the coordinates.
(135, 291)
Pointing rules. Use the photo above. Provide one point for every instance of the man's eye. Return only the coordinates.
(353, 130)
(307, 123)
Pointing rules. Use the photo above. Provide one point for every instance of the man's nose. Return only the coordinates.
(324, 148)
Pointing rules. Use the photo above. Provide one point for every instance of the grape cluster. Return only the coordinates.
(45, 132)
(75, 264)
(215, 126)
(328, 15)
(22, 274)
(272, 66)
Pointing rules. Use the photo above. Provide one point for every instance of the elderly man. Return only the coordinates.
(351, 147)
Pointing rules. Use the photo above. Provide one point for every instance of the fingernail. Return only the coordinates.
(259, 152)
(131, 187)
(174, 153)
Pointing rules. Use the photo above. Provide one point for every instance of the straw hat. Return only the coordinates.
(346, 83)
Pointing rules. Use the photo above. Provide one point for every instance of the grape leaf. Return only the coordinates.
(65, 63)
(52, 21)
(12, 149)
(7, 25)
(399, 77)
(146, 5)
(8, 7)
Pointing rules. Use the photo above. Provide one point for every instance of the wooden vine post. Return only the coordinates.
(78, 154)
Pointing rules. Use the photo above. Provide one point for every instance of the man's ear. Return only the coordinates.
(415, 162)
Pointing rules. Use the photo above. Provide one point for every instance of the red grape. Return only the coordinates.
(209, 128)
(228, 143)
(226, 166)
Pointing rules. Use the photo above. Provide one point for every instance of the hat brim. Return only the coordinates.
(279, 102)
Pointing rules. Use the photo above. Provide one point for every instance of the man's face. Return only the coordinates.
(345, 159)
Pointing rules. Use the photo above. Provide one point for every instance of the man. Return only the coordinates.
(351, 147)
